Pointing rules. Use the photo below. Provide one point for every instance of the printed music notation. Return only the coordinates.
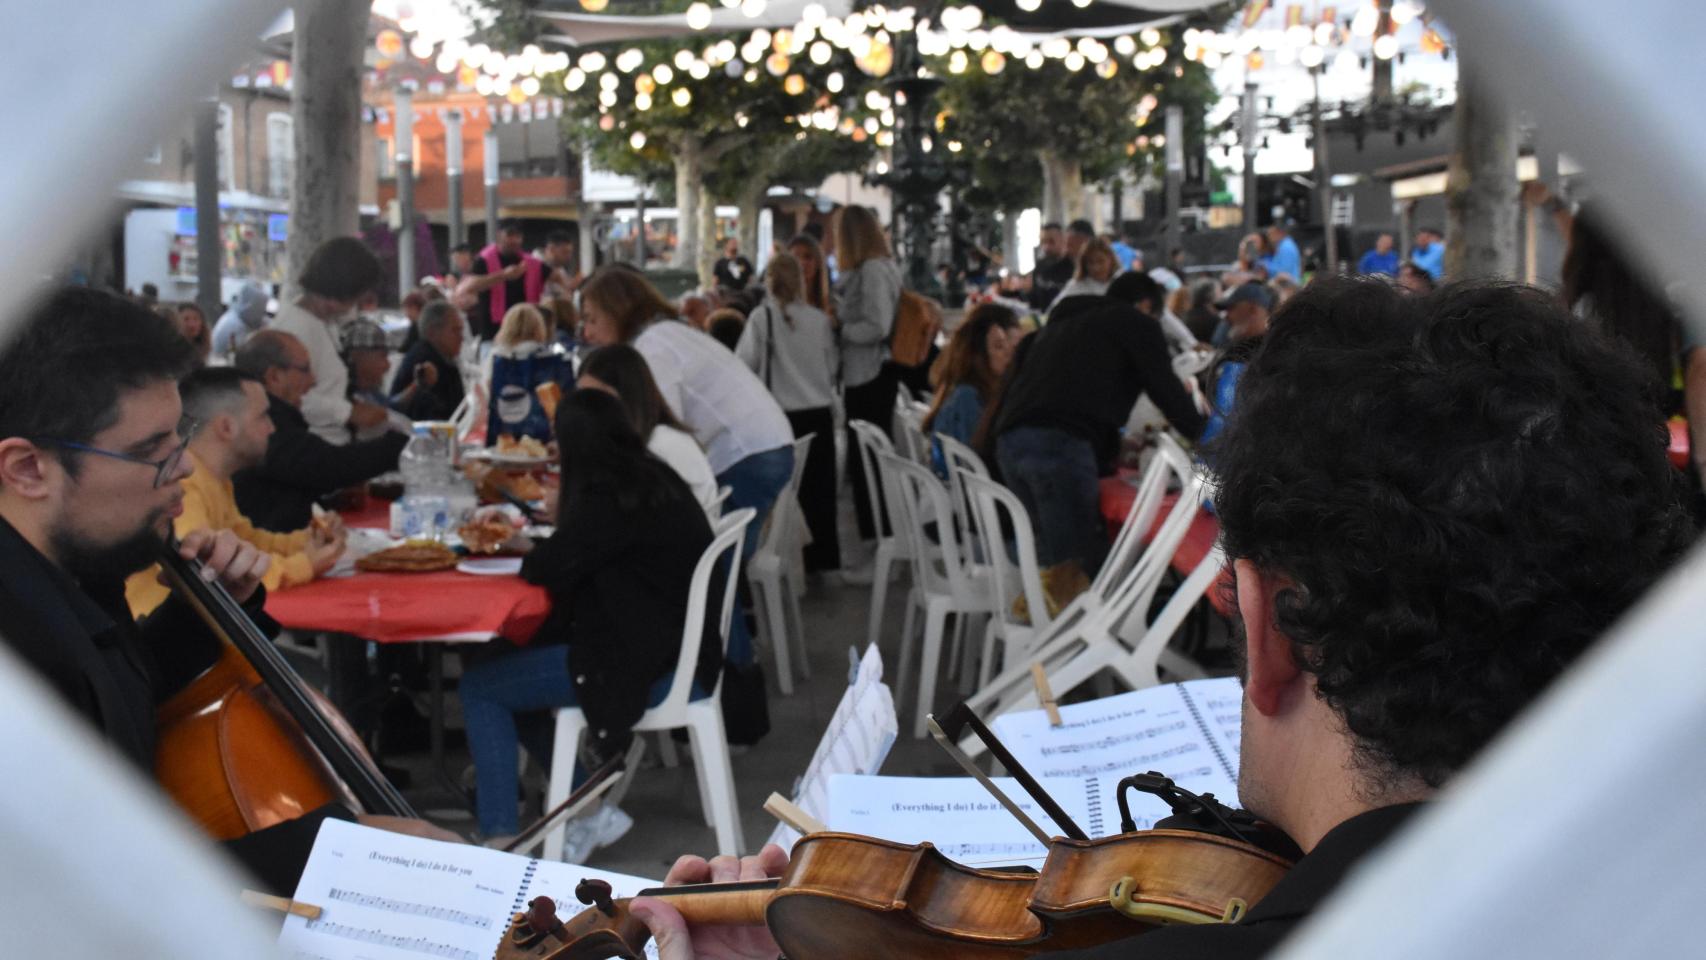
(396, 941)
(1115, 739)
(1123, 765)
(998, 851)
(389, 905)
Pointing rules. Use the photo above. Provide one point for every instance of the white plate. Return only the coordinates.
(491, 566)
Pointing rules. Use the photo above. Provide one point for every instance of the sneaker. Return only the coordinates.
(588, 832)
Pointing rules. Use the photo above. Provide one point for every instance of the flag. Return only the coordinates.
(1254, 12)
(1330, 14)
(1294, 16)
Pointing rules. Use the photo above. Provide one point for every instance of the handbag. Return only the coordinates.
(917, 320)
(769, 343)
(746, 702)
(515, 408)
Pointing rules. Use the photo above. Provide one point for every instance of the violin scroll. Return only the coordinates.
(607, 930)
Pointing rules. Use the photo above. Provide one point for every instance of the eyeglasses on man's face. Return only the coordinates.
(164, 468)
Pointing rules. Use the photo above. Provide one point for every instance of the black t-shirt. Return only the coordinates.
(1051, 274)
(734, 274)
(515, 291)
(1087, 366)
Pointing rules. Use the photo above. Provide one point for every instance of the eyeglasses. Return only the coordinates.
(163, 468)
(299, 368)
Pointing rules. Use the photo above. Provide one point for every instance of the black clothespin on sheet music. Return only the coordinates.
(959, 720)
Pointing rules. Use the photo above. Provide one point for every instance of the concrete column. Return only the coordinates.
(453, 173)
(210, 257)
(489, 168)
(1251, 134)
(403, 149)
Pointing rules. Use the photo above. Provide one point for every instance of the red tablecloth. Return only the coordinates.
(1117, 496)
(406, 607)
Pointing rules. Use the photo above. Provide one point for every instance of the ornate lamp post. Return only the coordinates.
(920, 169)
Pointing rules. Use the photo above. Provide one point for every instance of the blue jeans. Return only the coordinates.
(1053, 473)
(755, 481)
(493, 692)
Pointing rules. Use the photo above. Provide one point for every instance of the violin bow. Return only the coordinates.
(602, 780)
(959, 720)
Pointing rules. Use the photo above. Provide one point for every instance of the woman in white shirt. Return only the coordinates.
(745, 435)
(790, 344)
(338, 274)
(1096, 267)
(619, 369)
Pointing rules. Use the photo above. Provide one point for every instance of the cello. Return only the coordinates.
(248, 744)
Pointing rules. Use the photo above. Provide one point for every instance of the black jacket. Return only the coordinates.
(436, 402)
(114, 672)
(1270, 921)
(302, 467)
(1086, 368)
(618, 581)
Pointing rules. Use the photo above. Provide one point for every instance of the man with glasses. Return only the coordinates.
(91, 456)
(228, 411)
(299, 466)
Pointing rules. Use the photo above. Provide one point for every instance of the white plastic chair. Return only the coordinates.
(1013, 574)
(714, 509)
(942, 583)
(894, 548)
(1087, 636)
(909, 429)
(703, 718)
(770, 574)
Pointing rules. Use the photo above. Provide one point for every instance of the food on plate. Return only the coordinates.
(549, 394)
(492, 484)
(486, 534)
(520, 447)
(410, 556)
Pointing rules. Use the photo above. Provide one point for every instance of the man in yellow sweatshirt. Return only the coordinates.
(229, 409)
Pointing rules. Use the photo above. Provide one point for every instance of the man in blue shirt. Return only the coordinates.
(1429, 253)
(1124, 252)
(1382, 259)
(1286, 258)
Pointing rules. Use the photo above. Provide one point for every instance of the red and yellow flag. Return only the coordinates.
(1254, 12)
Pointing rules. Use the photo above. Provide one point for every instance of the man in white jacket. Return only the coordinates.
(339, 273)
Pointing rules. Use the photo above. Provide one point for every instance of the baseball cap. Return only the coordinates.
(1251, 292)
(364, 335)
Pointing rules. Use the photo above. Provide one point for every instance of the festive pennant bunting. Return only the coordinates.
(1254, 12)
(1294, 15)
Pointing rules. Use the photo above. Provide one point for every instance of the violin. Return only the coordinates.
(848, 896)
(248, 744)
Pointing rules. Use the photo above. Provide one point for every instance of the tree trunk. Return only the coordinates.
(1482, 206)
(326, 63)
(708, 239)
(689, 184)
(1063, 187)
(750, 199)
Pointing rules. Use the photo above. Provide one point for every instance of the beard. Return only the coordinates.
(93, 562)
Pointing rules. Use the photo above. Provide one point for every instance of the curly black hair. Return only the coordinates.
(1465, 489)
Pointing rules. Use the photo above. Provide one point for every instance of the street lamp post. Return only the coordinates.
(919, 172)
(1250, 131)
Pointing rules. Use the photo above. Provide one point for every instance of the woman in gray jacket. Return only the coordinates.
(866, 300)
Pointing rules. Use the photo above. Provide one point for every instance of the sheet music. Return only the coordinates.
(955, 813)
(1156, 728)
(857, 740)
(385, 896)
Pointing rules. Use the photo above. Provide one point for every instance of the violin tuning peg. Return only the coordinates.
(596, 893)
(542, 915)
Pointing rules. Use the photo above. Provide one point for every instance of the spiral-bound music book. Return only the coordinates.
(385, 896)
(1186, 731)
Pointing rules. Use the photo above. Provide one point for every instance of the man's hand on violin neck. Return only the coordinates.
(233, 563)
(677, 942)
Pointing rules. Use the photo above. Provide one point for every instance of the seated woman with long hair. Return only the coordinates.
(620, 370)
(618, 569)
(969, 371)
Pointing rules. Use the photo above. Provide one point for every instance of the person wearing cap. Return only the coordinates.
(1244, 311)
(1286, 259)
(1247, 310)
(367, 353)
